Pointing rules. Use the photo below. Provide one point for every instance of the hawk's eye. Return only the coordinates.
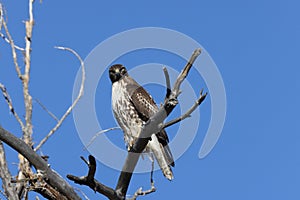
(123, 70)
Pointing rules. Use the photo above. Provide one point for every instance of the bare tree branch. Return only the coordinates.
(82, 193)
(9, 42)
(24, 166)
(10, 105)
(45, 109)
(9, 189)
(26, 76)
(188, 113)
(48, 175)
(13, 49)
(46, 182)
(185, 72)
(93, 183)
(99, 133)
(81, 90)
(140, 192)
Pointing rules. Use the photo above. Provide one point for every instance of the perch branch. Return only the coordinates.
(188, 113)
(10, 105)
(59, 123)
(49, 175)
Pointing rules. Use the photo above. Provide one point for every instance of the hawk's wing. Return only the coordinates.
(146, 107)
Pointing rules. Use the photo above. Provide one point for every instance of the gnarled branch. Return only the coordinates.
(48, 175)
(90, 181)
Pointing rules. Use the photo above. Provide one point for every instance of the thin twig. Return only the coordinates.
(98, 134)
(185, 72)
(9, 42)
(10, 105)
(13, 49)
(168, 83)
(188, 113)
(81, 90)
(82, 193)
(84, 160)
(5, 175)
(45, 109)
(140, 192)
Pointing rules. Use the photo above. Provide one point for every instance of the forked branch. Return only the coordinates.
(47, 174)
(188, 113)
(90, 181)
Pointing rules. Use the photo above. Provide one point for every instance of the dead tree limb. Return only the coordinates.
(90, 181)
(69, 110)
(5, 175)
(46, 110)
(188, 113)
(46, 181)
(47, 174)
(12, 45)
(153, 125)
(9, 42)
(10, 105)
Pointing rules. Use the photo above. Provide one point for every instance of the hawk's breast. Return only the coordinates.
(124, 111)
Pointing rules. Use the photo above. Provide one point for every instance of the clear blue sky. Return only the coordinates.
(256, 48)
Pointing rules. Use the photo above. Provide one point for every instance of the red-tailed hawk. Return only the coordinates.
(132, 107)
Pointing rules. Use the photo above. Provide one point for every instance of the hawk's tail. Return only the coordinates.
(163, 156)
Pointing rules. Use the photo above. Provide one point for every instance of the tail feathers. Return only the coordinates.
(163, 157)
(167, 171)
(168, 155)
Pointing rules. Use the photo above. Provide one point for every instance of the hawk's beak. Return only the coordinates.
(115, 76)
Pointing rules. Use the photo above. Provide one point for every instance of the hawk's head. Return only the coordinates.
(116, 72)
